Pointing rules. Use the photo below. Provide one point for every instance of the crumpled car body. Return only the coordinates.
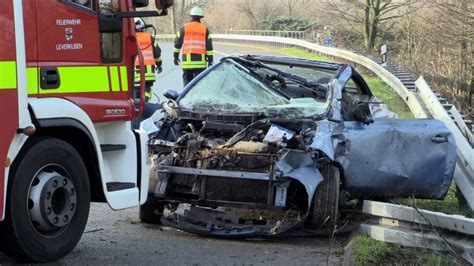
(260, 145)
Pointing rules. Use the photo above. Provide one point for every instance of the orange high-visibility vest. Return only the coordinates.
(194, 41)
(144, 39)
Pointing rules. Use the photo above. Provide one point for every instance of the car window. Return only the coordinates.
(228, 88)
(353, 93)
(111, 45)
(81, 3)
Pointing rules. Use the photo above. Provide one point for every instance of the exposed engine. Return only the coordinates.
(226, 147)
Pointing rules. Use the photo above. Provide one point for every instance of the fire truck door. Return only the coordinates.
(9, 112)
(79, 63)
(68, 47)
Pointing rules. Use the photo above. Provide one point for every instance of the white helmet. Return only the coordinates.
(196, 12)
(139, 24)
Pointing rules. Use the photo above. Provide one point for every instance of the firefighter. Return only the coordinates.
(152, 57)
(195, 44)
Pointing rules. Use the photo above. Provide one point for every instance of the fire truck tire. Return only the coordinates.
(326, 200)
(48, 201)
(151, 211)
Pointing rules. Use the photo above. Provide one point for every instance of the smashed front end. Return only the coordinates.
(228, 180)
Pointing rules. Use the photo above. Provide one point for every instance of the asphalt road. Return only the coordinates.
(117, 237)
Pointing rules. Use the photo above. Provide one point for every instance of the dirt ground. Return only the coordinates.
(117, 237)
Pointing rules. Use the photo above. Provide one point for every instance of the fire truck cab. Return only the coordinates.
(66, 105)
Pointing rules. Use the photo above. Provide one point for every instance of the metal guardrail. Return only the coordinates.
(272, 33)
(421, 102)
(413, 227)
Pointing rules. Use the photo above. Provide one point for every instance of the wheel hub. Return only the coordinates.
(52, 201)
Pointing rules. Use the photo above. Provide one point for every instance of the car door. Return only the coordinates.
(396, 157)
(399, 158)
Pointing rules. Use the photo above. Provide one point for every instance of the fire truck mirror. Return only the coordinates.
(140, 3)
(163, 5)
(109, 23)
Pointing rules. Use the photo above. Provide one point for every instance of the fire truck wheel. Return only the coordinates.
(48, 201)
(151, 211)
(326, 199)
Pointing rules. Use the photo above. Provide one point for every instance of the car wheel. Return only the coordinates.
(326, 199)
(151, 211)
(48, 201)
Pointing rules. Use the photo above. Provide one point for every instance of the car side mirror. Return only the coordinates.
(140, 3)
(171, 94)
(163, 6)
(360, 111)
(109, 23)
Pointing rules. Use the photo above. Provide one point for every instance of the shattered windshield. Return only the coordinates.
(229, 88)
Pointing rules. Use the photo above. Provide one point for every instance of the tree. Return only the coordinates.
(295, 7)
(365, 16)
(454, 23)
(257, 11)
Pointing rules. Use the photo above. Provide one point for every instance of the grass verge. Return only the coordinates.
(380, 89)
(449, 205)
(368, 251)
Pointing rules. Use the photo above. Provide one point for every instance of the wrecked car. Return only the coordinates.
(261, 145)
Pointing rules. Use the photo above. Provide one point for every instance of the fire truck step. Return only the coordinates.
(112, 147)
(116, 186)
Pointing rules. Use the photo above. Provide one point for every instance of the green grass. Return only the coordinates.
(368, 251)
(300, 53)
(449, 205)
(380, 89)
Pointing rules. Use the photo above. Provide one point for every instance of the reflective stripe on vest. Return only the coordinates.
(194, 41)
(189, 64)
(149, 74)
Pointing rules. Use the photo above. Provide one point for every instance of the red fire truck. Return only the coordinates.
(66, 106)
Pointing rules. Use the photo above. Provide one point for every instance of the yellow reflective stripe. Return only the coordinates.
(32, 80)
(81, 79)
(176, 50)
(210, 52)
(124, 78)
(178, 34)
(149, 74)
(114, 78)
(189, 64)
(8, 75)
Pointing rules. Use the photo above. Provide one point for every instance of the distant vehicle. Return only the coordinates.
(260, 145)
